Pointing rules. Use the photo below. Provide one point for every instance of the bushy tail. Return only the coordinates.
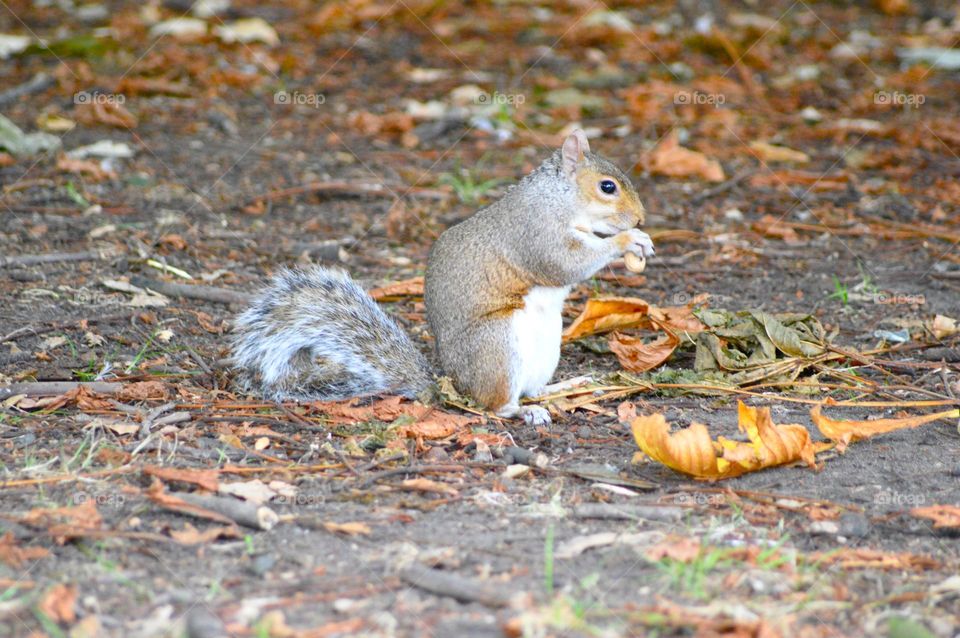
(315, 334)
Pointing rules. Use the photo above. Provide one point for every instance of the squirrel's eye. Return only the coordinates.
(608, 186)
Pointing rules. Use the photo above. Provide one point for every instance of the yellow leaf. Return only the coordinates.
(607, 314)
(692, 452)
(848, 431)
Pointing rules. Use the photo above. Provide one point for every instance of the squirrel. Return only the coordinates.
(494, 291)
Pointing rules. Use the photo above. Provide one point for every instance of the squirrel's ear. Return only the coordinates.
(573, 149)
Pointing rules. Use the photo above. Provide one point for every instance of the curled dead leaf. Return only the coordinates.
(672, 160)
(691, 451)
(844, 432)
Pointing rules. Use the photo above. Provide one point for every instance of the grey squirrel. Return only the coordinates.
(494, 291)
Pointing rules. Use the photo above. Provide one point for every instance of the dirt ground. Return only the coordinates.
(354, 139)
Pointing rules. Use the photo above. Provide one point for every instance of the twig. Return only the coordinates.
(668, 513)
(353, 189)
(190, 291)
(449, 584)
(242, 512)
(37, 83)
(702, 196)
(50, 258)
(55, 388)
(62, 325)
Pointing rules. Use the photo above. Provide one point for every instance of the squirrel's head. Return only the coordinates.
(609, 201)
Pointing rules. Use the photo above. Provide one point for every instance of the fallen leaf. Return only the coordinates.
(59, 604)
(206, 479)
(672, 160)
(15, 556)
(606, 314)
(426, 485)
(54, 123)
(682, 549)
(776, 228)
(350, 529)
(691, 451)
(144, 391)
(845, 432)
(942, 515)
(863, 558)
(190, 535)
(944, 327)
(774, 153)
(636, 356)
(398, 290)
(64, 523)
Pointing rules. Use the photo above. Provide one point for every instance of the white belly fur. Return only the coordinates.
(536, 332)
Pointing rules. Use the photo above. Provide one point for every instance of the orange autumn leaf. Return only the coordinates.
(691, 451)
(59, 603)
(865, 558)
(844, 432)
(13, 555)
(942, 515)
(672, 160)
(607, 314)
(406, 288)
(636, 356)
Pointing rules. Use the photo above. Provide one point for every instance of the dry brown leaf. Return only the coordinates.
(672, 160)
(683, 549)
(845, 432)
(350, 529)
(816, 182)
(426, 485)
(144, 391)
(206, 479)
(637, 356)
(15, 556)
(692, 452)
(863, 558)
(407, 288)
(770, 226)
(606, 314)
(59, 604)
(941, 515)
(775, 153)
(190, 535)
(153, 86)
(64, 523)
(436, 424)
(386, 409)
(90, 168)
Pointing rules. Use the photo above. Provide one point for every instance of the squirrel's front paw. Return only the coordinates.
(636, 241)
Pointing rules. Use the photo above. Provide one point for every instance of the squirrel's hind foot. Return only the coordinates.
(531, 414)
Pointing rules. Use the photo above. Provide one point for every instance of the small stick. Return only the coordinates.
(191, 291)
(449, 584)
(62, 325)
(51, 258)
(667, 513)
(55, 388)
(37, 83)
(242, 512)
